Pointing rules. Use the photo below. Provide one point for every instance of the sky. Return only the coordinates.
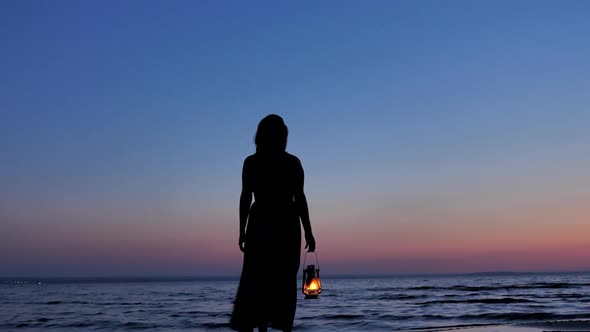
(436, 136)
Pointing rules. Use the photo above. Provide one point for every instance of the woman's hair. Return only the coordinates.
(271, 135)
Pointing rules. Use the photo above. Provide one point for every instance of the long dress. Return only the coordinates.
(267, 293)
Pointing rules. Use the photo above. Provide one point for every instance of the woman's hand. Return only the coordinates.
(242, 242)
(309, 242)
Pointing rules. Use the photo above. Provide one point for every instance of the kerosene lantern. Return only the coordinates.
(312, 286)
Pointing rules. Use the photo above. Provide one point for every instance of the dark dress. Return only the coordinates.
(268, 284)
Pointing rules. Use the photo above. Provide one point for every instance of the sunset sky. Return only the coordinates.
(436, 136)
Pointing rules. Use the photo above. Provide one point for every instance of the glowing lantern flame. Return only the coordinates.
(312, 285)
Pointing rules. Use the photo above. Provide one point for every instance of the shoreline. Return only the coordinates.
(546, 326)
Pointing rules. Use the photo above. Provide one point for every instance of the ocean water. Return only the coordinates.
(347, 304)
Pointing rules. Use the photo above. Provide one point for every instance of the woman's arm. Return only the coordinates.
(302, 209)
(245, 202)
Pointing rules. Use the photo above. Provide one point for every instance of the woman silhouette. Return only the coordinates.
(271, 243)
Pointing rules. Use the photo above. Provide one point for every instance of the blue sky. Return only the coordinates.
(140, 113)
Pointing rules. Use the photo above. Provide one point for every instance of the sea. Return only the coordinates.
(379, 303)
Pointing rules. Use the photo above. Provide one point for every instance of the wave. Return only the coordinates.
(335, 316)
(512, 316)
(215, 325)
(486, 317)
(504, 300)
(180, 294)
(137, 325)
(539, 285)
(386, 297)
(54, 302)
(566, 296)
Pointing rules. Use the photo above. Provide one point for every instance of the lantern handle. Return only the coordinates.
(316, 259)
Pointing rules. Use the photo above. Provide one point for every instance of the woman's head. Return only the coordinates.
(271, 135)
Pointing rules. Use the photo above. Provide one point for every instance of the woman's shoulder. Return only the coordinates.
(292, 158)
(250, 160)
